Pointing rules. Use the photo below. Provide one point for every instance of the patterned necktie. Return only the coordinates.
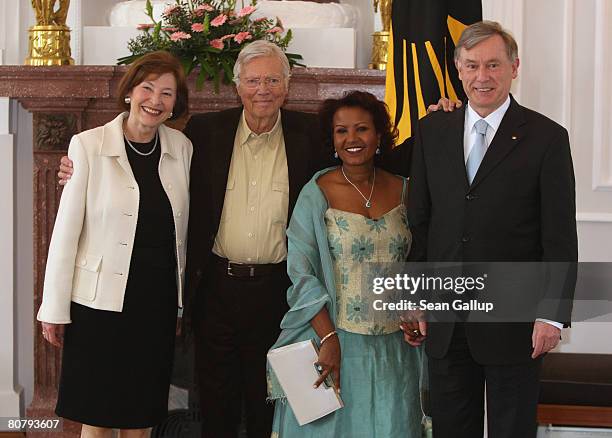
(478, 150)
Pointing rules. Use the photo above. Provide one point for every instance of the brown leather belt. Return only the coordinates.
(243, 270)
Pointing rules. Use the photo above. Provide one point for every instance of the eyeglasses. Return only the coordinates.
(271, 82)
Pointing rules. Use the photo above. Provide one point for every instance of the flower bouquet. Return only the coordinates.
(207, 34)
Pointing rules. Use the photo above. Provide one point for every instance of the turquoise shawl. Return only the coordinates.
(309, 265)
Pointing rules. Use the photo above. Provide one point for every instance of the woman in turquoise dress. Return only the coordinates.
(346, 217)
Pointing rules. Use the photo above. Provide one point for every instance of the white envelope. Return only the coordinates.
(294, 367)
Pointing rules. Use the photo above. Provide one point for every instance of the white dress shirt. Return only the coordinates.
(469, 131)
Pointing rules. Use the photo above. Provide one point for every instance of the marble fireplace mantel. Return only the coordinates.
(88, 91)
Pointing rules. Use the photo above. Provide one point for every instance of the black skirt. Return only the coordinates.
(116, 366)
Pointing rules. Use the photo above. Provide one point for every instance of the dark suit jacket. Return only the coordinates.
(212, 135)
(520, 208)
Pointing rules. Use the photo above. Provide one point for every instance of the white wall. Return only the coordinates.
(21, 121)
(95, 12)
(10, 393)
(15, 18)
(368, 23)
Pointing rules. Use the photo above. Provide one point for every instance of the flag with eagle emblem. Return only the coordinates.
(420, 67)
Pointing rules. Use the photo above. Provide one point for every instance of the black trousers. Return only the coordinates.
(237, 321)
(457, 386)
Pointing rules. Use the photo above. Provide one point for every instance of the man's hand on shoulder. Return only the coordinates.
(444, 104)
(65, 170)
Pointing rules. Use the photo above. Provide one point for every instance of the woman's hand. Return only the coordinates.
(414, 327)
(329, 361)
(53, 333)
(415, 332)
(329, 351)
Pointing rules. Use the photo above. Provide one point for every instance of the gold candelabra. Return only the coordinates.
(380, 39)
(50, 38)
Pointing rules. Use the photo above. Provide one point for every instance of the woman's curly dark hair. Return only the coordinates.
(366, 101)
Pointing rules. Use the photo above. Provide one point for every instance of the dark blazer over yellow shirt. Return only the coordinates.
(213, 136)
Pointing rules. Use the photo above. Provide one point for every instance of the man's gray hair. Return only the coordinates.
(478, 32)
(259, 49)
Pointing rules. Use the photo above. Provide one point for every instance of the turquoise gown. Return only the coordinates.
(380, 373)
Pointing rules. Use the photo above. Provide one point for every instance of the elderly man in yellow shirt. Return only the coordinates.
(249, 165)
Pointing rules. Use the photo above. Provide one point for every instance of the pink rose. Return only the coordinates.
(217, 43)
(247, 10)
(197, 27)
(218, 20)
(170, 10)
(229, 35)
(275, 30)
(177, 36)
(145, 26)
(241, 36)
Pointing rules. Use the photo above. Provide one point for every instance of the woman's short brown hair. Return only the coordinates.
(156, 63)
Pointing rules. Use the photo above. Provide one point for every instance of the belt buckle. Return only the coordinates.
(231, 273)
(229, 269)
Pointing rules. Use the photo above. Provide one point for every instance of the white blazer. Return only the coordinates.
(91, 246)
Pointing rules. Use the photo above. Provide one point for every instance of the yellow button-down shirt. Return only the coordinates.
(254, 217)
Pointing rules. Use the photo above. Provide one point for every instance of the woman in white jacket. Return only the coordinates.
(114, 273)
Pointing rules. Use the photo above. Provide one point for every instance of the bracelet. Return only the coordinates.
(327, 336)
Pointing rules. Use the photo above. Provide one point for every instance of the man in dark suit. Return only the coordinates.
(248, 167)
(492, 181)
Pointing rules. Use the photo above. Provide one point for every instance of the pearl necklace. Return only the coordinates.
(367, 200)
(144, 154)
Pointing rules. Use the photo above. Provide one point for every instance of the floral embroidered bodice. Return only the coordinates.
(354, 241)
